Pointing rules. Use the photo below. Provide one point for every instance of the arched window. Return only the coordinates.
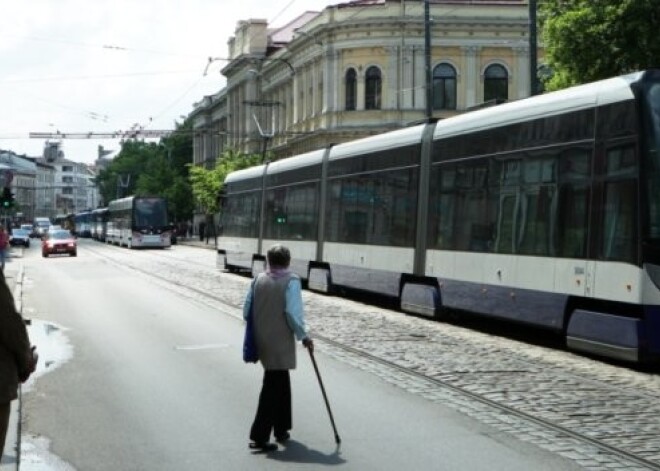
(496, 83)
(444, 87)
(351, 89)
(373, 86)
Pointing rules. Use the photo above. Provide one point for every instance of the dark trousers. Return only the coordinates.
(4, 423)
(274, 410)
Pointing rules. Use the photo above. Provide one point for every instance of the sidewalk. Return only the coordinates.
(10, 457)
(195, 242)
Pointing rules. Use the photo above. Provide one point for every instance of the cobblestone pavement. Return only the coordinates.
(592, 405)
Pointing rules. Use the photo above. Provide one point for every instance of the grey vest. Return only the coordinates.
(275, 339)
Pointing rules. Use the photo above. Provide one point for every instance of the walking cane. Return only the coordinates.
(325, 397)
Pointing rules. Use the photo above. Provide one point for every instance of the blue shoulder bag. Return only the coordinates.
(250, 353)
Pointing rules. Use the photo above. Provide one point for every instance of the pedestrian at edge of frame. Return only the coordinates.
(17, 359)
(4, 246)
(275, 297)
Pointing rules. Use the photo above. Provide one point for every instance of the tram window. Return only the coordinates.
(240, 215)
(652, 163)
(574, 164)
(441, 208)
(378, 208)
(620, 205)
(504, 172)
(506, 223)
(447, 178)
(291, 212)
(477, 236)
(617, 119)
(539, 170)
(536, 214)
(442, 222)
(355, 227)
(621, 161)
(536, 221)
(572, 221)
(459, 209)
(619, 221)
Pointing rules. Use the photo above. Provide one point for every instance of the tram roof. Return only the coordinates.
(303, 160)
(398, 138)
(571, 99)
(246, 173)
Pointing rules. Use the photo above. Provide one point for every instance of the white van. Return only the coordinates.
(40, 226)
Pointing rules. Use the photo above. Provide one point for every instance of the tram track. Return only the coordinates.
(617, 417)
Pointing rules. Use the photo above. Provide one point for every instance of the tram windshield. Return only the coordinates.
(652, 148)
(150, 213)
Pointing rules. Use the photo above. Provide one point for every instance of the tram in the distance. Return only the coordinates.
(138, 222)
(543, 211)
(99, 223)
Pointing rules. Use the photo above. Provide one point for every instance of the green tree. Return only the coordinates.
(121, 177)
(150, 168)
(207, 183)
(588, 40)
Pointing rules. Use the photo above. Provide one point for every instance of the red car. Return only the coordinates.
(58, 242)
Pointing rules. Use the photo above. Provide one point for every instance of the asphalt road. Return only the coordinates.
(155, 381)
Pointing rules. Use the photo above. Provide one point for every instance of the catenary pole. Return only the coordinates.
(427, 59)
(533, 66)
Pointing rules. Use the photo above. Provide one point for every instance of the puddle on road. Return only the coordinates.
(35, 456)
(54, 350)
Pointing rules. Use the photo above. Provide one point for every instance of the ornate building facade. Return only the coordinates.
(360, 68)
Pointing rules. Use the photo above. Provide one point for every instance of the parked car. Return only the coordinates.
(19, 237)
(58, 242)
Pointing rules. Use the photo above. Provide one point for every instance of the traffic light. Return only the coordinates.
(7, 199)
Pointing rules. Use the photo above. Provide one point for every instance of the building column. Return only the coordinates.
(360, 98)
(419, 101)
(312, 89)
(307, 72)
(471, 75)
(407, 81)
(393, 89)
(523, 79)
(281, 109)
(331, 80)
(252, 96)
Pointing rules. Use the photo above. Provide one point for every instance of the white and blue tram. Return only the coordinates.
(99, 223)
(83, 223)
(138, 222)
(544, 211)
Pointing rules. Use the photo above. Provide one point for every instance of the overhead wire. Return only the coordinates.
(92, 114)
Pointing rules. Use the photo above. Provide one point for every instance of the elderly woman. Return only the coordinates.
(275, 302)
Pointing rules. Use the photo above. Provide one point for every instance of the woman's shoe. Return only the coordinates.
(282, 438)
(263, 446)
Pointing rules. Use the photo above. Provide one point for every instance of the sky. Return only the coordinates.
(100, 66)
